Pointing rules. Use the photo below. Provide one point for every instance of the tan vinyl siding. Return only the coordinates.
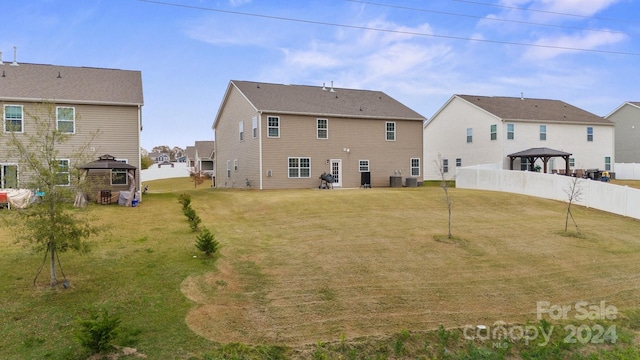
(117, 131)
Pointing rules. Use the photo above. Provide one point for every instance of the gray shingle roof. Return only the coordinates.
(70, 84)
(205, 148)
(526, 109)
(313, 100)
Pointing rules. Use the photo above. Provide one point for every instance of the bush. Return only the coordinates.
(206, 242)
(194, 219)
(97, 332)
(185, 200)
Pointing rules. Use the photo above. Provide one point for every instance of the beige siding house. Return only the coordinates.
(81, 101)
(484, 130)
(272, 136)
(627, 138)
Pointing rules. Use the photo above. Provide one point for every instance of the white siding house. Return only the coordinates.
(480, 130)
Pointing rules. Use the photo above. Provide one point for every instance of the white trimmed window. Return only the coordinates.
(254, 127)
(273, 126)
(299, 167)
(235, 165)
(323, 129)
(13, 118)
(119, 176)
(66, 119)
(390, 130)
(589, 133)
(63, 176)
(543, 132)
(511, 131)
(458, 162)
(607, 163)
(494, 132)
(572, 162)
(469, 135)
(445, 166)
(363, 165)
(241, 130)
(9, 176)
(415, 166)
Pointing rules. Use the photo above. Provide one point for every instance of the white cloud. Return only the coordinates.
(236, 3)
(577, 7)
(553, 46)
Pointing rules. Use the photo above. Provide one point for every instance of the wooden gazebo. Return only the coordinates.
(542, 153)
(109, 162)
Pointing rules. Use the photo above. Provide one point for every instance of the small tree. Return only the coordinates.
(96, 332)
(442, 171)
(206, 242)
(198, 177)
(51, 226)
(194, 219)
(574, 194)
(145, 162)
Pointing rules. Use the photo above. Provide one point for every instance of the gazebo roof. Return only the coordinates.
(539, 152)
(107, 162)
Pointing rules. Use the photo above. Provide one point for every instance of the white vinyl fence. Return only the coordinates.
(164, 172)
(621, 200)
(624, 171)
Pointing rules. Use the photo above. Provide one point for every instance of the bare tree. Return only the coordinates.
(442, 170)
(574, 194)
(50, 225)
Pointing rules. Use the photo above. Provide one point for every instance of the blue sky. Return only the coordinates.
(586, 53)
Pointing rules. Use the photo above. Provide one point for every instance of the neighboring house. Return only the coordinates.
(82, 101)
(271, 136)
(190, 154)
(158, 157)
(205, 157)
(627, 138)
(483, 130)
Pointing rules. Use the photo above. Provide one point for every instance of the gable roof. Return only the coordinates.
(190, 152)
(525, 109)
(539, 152)
(205, 149)
(634, 104)
(323, 101)
(70, 84)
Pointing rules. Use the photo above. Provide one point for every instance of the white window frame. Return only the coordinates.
(415, 166)
(228, 168)
(4, 115)
(390, 132)
(322, 130)
(120, 171)
(363, 165)
(445, 166)
(607, 163)
(469, 135)
(241, 130)
(72, 121)
(543, 132)
(68, 172)
(235, 165)
(3, 175)
(298, 168)
(254, 127)
(590, 133)
(493, 129)
(572, 162)
(458, 162)
(511, 131)
(275, 128)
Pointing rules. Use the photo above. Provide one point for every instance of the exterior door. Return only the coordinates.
(336, 171)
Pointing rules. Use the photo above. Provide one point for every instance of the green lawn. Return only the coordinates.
(306, 272)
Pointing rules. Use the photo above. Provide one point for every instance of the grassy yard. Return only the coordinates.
(304, 272)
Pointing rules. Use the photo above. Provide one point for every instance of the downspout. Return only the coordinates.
(260, 148)
(139, 177)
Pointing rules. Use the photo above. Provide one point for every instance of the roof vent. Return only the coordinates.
(521, 95)
(1, 63)
(324, 88)
(332, 90)
(3, 75)
(59, 76)
(15, 57)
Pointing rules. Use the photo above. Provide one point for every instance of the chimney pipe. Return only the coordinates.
(1, 63)
(332, 90)
(15, 56)
(521, 95)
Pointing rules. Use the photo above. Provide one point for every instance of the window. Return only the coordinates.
(66, 119)
(494, 132)
(391, 131)
(254, 127)
(543, 132)
(589, 133)
(235, 165)
(228, 168)
(119, 176)
(572, 162)
(524, 164)
(445, 166)
(458, 162)
(63, 177)
(323, 129)
(299, 167)
(415, 166)
(363, 165)
(607, 163)
(510, 131)
(241, 130)
(273, 126)
(9, 176)
(13, 118)
(469, 135)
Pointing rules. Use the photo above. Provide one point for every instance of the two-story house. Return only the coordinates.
(627, 138)
(272, 136)
(82, 101)
(483, 130)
